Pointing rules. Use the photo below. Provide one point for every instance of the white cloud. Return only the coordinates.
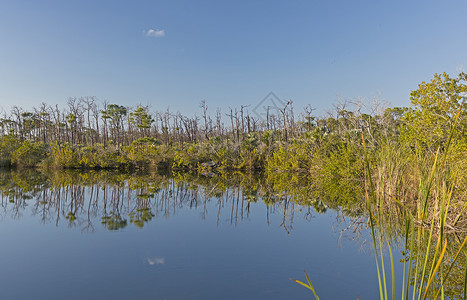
(155, 33)
(155, 261)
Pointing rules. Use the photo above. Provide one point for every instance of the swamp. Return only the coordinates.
(107, 201)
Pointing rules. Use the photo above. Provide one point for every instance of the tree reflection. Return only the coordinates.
(121, 200)
(117, 200)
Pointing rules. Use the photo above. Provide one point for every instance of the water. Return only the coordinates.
(173, 238)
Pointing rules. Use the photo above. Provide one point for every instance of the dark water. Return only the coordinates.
(100, 236)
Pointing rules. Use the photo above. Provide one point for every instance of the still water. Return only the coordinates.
(112, 236)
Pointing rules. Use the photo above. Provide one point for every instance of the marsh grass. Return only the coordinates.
(308, 285)
(425, 267)
(414, 202)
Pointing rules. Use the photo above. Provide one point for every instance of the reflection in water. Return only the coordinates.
(113, 201)
(163, 236)
(119, 200)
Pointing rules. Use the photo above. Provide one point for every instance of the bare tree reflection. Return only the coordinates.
(117, 200)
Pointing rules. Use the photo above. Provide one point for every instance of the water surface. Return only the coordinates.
(102, 235)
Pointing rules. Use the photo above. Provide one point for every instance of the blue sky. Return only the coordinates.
(229, 53)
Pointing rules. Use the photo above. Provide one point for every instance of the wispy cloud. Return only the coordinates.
(155, 33)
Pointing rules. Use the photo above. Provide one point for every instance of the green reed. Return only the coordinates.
(423, 216)
(433, 204)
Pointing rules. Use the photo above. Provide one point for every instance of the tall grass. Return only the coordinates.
(412, 195)
(424, 223)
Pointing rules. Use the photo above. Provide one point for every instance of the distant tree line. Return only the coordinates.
(87, 121)
(89, 134)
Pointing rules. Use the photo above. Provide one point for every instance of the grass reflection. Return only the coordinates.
(433, 250)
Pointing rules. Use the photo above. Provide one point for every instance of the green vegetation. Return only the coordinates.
(410, 161)
(400, 141)
(425, 251)
(308, 285)
(422, 216)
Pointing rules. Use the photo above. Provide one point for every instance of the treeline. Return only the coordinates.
(86, 121)
(88, 134)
